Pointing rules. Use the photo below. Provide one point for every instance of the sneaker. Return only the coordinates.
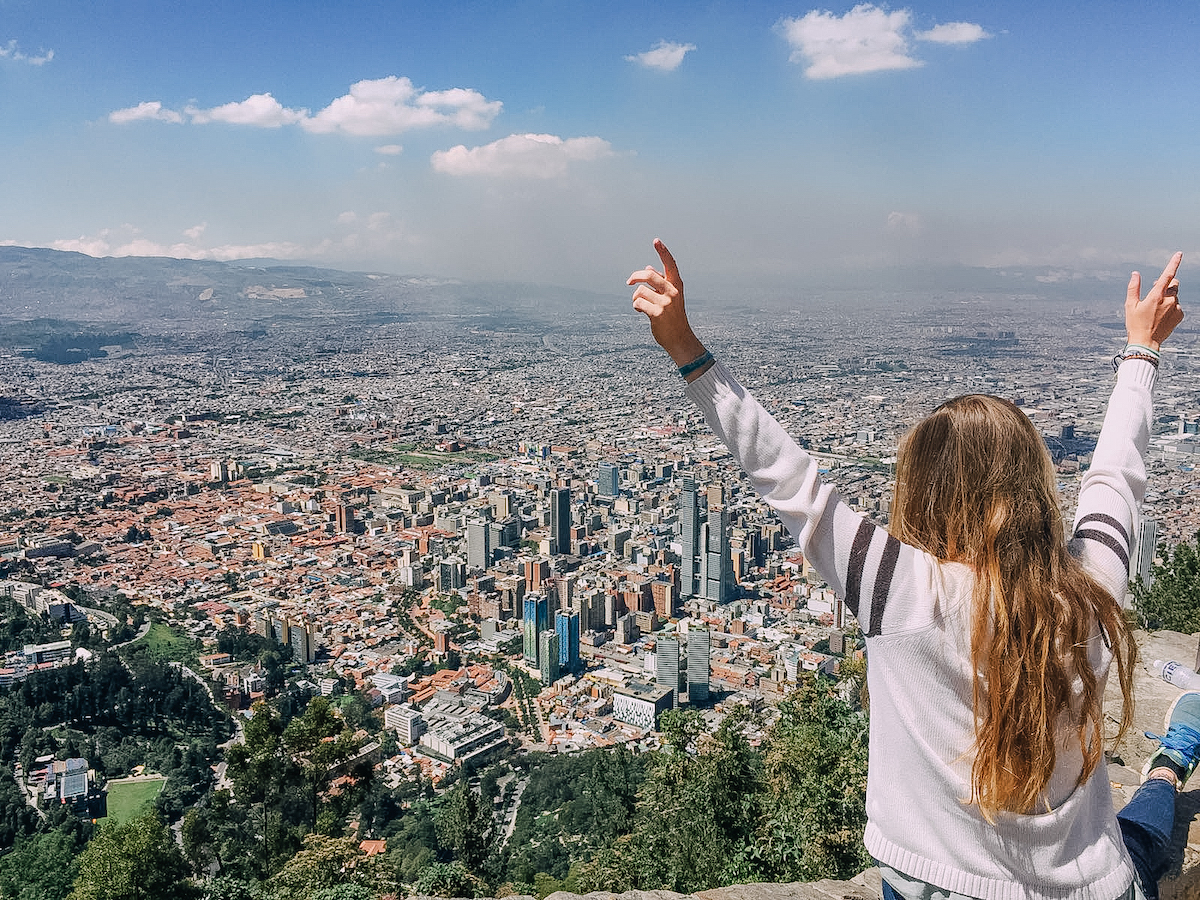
(1179, 748)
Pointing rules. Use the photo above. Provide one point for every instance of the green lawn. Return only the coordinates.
(127, 799)
(168, 643)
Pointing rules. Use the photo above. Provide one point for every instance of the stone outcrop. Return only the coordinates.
(1154, 697)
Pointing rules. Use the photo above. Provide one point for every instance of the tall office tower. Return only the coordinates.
(1147, 545)
(560, 520)
(537, 571)
(689, 522)
(663, 594)
(608, 480)
(548, 651)
(534, 622)
(698, 651)
(716, 495)
(717, 565)
(344, 518)
(667, 665)
(298, 640)
(591, 611)
(564, 587)
(479, 544)
(566, 625)
(452, 574)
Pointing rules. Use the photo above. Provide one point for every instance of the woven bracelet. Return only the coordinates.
(702, 360)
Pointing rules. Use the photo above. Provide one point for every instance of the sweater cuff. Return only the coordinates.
(1137, 373)
(705, 389)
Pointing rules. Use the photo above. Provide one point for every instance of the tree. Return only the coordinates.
(815, 766)
(1171, 600)
(324, 863)
(464, 826)
(42, 867)
(696, 813)
(445, 880)
(137, 860)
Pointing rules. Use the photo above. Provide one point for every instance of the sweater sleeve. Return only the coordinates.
(859, 559)
(1111, 491)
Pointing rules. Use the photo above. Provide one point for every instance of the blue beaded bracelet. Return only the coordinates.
(702, 360)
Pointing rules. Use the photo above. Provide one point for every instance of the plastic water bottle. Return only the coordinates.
(1177, 674)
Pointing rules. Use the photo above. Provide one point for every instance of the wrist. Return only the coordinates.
(686, 350)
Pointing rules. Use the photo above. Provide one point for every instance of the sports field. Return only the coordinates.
(127, 797)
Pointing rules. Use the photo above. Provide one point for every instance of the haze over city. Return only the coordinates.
(548, 142)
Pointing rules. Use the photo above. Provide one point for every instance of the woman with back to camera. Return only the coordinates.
(990, 631)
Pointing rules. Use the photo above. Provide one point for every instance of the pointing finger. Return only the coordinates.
(669, 266)
(1169, 272)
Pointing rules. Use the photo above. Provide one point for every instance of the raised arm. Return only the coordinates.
(857, 558)
(1111, 492)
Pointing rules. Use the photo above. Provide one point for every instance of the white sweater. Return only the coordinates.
(915, 612)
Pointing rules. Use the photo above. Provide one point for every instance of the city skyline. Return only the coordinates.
(549, 142)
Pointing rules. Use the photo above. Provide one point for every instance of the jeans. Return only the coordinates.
(1146, 824)
(1147, 821)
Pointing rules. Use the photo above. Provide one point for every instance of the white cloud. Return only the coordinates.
(349, 217)
(150, 110)
(954, 33)
(126, 241)
(522, 156)
(13, 52)
(866, 39)
(259, 110)
(373, 108)
(196, 230)
(393, 105)
(390, 150)
(665, 56)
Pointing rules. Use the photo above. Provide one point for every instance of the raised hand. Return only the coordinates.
(1150, 320)
(660, 296)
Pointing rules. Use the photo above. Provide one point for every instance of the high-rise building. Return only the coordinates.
(534, 623)
(560, 520)
(690, 527)
(698, 652)
(716, 561)
(344, 518)
(663, 594)
(452, 574)
(302, 640)
(1147, 544)
(536, 572)
(479, 544)
(608, 480)
(566, 625)
(548, 651)
(666, 664)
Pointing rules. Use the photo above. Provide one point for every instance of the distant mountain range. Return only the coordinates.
(160, 295)
(157, 293)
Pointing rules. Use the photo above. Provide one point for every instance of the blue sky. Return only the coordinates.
(550, 141)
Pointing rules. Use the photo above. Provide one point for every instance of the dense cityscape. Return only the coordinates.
(501, 536)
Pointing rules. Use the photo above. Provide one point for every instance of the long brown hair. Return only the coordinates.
(975, 484)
